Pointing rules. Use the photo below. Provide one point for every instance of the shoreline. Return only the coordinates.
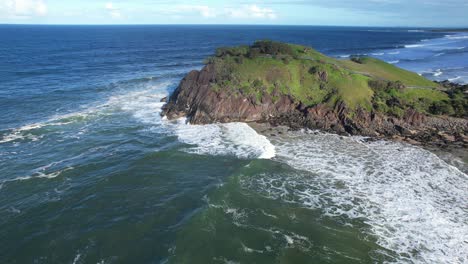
(455, 156)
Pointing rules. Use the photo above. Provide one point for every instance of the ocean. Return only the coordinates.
(91, 173)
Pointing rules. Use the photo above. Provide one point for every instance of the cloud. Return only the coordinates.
(251, 11)
(113, 11)
(242, 12)
(23, 8)
(204, 11)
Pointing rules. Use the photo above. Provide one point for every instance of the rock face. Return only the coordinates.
(196, 99)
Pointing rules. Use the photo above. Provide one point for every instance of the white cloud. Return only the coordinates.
(203, 10)
(112, 10)
(22, 8)
(252, 11)
(245, 11)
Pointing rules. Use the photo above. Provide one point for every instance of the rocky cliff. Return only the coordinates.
(202, 99)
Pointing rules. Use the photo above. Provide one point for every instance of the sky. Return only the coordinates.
(409, 13)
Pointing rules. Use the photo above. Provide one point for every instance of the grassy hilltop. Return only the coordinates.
(312, 78)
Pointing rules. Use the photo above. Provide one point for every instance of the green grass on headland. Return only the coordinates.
(312, 78)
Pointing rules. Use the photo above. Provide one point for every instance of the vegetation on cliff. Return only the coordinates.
(312, 78)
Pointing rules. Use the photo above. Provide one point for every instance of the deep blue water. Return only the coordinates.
(89, 172)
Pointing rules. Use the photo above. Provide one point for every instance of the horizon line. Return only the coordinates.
(298, 25)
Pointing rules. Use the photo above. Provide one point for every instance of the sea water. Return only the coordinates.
(91, 173)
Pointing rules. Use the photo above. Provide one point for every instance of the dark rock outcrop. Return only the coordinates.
(202, 104)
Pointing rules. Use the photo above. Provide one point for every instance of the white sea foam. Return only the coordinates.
(26, 132)
(437, 73)
(394, 62)
(439, 54)
(456, 37)
(454, 79)
(394, 53)
(76, 259)
(38, 173)
(415, 203)
(144, 105)
(414, 46)
(217, 139)
(378, 54)
(224, 139)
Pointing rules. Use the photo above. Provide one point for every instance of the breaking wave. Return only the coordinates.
(144, 105)
(225, 139)
(413, 201)
(414, 46)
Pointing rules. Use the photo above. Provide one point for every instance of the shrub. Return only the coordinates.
(386, 85)
(313, 70)
(209, 60)
(441, 108)
(378, 84)
(273, 48)
(232, 51)
(460, 107)
(357, 59)
(396, 111)
(254, 53)
(239, 60)
(257, 84)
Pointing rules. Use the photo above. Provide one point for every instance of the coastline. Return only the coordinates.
(454, 156)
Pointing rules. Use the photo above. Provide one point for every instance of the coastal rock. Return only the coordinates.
(200, 98)
(196, 99)
(201, 104)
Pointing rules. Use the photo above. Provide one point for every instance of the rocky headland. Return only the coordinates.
(296, 86)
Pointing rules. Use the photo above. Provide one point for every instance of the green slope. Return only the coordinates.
(312, 78)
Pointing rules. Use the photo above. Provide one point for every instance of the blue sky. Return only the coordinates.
(442, 13)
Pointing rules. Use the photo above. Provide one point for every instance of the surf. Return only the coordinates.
(412, 200)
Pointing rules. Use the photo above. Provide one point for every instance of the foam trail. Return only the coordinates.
(25, 132)
(142, 103)
(415, 203)
(454, 79)
(225, 139)
(438, 72)
(414, 46)
(457, 37)
(236, 139)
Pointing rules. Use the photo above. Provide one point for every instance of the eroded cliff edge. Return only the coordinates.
(291, 85)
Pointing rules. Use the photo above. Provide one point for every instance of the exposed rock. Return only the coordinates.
(202, 104)
(323, 76)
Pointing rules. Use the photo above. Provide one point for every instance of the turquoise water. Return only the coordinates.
(90, 172)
